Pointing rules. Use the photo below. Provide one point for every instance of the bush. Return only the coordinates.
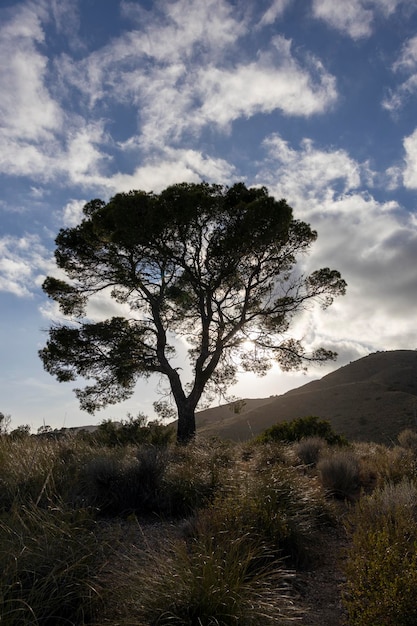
(381, 564)
(121, 483)
(340, 473)
(4, 423)
(21, 432)
(259, 457)
(133, 431)
(153, 479)
(309, 449)
(380, 464)
(408, 439)
(297, 429)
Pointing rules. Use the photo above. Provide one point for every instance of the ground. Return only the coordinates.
(321, 586)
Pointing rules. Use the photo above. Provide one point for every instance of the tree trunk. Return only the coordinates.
(186, 423)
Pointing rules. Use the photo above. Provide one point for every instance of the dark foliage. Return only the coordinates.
(311, 426)
(211, 264)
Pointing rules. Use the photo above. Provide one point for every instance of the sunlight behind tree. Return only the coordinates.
(216, 266)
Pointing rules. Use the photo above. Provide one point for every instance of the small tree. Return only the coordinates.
(210, 264)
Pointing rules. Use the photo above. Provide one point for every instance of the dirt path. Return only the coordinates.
(321, 586)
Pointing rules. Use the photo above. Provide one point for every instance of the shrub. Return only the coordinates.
(380, 464)
(42, 471)
(309, 449)
(133, 431)
(381, 564)
(297, 429)
(120, 482)
(408, 439)
(259, 456)
(152, 479)
(340, 473)
(21, 432)
(4, 423)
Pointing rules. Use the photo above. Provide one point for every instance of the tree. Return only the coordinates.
(215, 266)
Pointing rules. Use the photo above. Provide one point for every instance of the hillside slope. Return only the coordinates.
(371, 399)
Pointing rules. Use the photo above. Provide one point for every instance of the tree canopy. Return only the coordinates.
(213, 265)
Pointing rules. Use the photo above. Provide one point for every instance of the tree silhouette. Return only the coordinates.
(212, 265)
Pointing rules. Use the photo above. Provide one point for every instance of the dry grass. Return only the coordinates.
(339, 472)
(203, 582)
(49, 559)
(381, 567)
(210, 534)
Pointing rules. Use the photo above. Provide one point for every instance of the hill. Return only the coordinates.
(371, 399)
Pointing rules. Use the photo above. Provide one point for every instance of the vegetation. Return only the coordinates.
(49, 559)
(309, 449)
(382, 564)
(301, 428)
(213, 265)
(340, 473)
(97, 531)
(4, 423)
(134, 430)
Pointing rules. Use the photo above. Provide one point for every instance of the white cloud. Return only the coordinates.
(78, 158)
(407, 60)
(37, 192)
(406, 64)
(67, 20)
(24, 261)
(373, 244)
(27, 110)
(410, 170)
(274, 12)
(73, 212)
(184, 29)
(84, 155)
(169, 167)
(275, 81)
(173, 35)
(349, 17)
(309, 174)
(181, 68)
(37, 138)
(183, 72)
(354, 18)
(185, 98)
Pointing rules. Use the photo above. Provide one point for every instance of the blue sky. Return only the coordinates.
(316, 99)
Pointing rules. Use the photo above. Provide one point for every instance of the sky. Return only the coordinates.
(315, 99)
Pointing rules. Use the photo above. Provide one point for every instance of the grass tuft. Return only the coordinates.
(339, 473)
(309, 450)
(205, 582)
(49, 560)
